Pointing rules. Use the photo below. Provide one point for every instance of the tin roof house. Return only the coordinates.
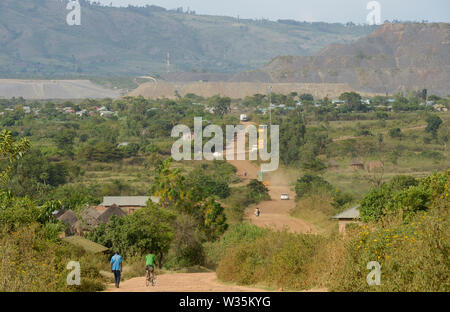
(346, 217)
(127, 203)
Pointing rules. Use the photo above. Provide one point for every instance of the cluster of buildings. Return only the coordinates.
(436, 107)
(92, 111)
(91, 216)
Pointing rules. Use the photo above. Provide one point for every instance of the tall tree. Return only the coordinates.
(11, 150)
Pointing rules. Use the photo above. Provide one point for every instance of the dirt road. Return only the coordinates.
(275, 213)
(180, 282)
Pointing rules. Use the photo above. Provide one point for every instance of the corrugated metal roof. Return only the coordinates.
(352, 213)
(139, 201)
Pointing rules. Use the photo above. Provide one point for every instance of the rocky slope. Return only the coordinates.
(393, 58)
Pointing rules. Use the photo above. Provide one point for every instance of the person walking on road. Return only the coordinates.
(257, 212)
(116, 267)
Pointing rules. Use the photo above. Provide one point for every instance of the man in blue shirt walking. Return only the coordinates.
(116, 267)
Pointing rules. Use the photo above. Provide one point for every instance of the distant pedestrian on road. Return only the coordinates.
(257, 212)
(116, 267)
(245, 173)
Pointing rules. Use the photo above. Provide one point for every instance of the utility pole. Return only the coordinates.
(269, 90)
(168, 62)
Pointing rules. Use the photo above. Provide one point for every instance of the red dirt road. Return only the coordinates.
(275, 213)
(180, 282)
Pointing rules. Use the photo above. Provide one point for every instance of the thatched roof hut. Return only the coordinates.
(88, 220)
(69, 217)
(114, 210)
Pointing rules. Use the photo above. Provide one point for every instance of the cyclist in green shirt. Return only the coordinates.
(149, 267)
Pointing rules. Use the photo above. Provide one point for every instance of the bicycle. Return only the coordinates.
(151, 276)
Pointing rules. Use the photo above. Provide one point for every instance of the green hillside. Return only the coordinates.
(36, 41)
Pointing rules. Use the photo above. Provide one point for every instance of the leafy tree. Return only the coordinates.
(208, 184)
(377, 200)
(433, 124)
(11, 150)
(221, 105)
(149, 228)
(306, 97)
(352, 101)
(100, 151)
(309, 183)
(257, 191)
(395, 133)
(171, 188)
(64, 141)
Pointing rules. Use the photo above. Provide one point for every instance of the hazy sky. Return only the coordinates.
(308, 10)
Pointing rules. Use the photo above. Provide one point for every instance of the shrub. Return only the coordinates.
(257, 191)
(413, 256)
(236, 235)
(309, 183)
(276, 259)
(376, 200)
(395, 133)
(29, 262)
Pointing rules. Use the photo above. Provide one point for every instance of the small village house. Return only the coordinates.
(114, 210)
(357, 165)
(128, 204)
(347, 217)
(374, 165)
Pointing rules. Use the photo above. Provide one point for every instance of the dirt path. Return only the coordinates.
(180, 282)
(275, 213)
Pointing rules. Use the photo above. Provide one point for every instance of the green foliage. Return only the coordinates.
(237, 234)
(30, 262)
(17, 211)
(306, 97)
(170, 186)
(11, 150)
(433, 124)
(352, 101)
(413, 256)
(395, 133)
(221, 105)
(402, 195)
(276, 259)
(186, 249)
(292, 136)
(149, 228)
(309, 184)
(208, 184)
(257, 191)
(100, 151)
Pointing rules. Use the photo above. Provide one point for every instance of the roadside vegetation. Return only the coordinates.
(53, 158)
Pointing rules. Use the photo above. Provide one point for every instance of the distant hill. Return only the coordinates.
(393, 58)
(35, 40)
